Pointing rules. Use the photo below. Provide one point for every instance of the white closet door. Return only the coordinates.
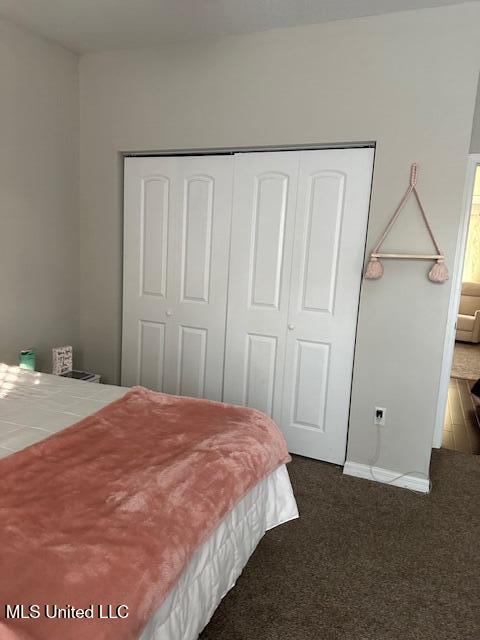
(265, 188)
(197, 299)
(297, 245)
(330, 231)
(177, 225)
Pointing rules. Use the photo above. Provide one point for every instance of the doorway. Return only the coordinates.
(460, 430)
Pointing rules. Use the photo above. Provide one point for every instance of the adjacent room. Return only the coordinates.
(462, 418)
(240, 320)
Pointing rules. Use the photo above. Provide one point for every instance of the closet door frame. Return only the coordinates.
(192, 152)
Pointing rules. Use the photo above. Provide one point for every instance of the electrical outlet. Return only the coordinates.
(379, 416)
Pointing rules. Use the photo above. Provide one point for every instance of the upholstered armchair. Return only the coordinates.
(468, 321)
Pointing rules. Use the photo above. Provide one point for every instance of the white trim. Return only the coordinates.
(449, 344)
(406, 481)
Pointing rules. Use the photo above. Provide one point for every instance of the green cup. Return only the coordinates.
(27, 359)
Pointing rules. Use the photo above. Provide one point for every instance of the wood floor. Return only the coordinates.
(461, 431)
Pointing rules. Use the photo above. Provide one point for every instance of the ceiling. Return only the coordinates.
(98, 25)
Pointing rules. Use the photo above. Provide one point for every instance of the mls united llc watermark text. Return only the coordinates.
(69, 612)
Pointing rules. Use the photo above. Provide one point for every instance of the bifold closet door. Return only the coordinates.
(328, 251)
(265, 189)
(176, 237)
(298, 239)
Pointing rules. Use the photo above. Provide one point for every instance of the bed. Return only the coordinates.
(33, 406)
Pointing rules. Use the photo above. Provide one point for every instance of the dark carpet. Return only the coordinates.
(365, 561)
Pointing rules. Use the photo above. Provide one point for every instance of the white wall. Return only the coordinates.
(405, 80)
(38, 195)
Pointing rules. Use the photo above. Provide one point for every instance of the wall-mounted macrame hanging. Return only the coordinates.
(374, 269)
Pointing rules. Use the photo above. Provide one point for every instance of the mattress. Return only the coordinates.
(34, 406)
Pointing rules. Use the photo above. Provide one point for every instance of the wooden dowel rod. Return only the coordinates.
(407, 256)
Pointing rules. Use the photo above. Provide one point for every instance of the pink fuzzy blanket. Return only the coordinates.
(109, 511)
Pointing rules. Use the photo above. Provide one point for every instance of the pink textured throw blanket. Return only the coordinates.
(103, 517)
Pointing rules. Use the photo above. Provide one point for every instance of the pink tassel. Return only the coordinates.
(374, 269)
(439, 272)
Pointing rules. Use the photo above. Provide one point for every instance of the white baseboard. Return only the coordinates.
(408, 481)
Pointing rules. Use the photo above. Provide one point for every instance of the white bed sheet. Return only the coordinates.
(34, 406)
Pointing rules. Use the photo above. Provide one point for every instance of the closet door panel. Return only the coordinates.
(310, 376)
(154, 230)
(259, 379)
(192, 349)
(265, 187)
(326, 194)
(197, 238)
(177, 230)
(149, 187)
(329, 244)
(269, 209)
(197, 300)
(151, 354)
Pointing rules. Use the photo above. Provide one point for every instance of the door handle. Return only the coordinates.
(291, 327)
(169, 313)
